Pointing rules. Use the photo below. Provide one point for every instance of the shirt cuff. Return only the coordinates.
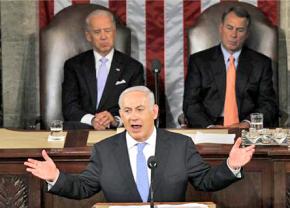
(119, 121)
(236, 172)
(87, 119)
(50, 184)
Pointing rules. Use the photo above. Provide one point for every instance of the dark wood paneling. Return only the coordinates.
(13, 190)
(255, 188)
(266, 181)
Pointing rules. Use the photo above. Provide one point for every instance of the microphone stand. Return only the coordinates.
(152, 164)
(156, 90)
(152, 189)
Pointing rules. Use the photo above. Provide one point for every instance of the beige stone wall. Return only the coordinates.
(19, 26)
(284, 61)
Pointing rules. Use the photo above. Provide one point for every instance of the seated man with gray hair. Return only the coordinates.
(118, 164)
(228, 82)
(93, 80)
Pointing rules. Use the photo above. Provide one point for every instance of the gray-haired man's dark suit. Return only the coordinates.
(178, 163)
(205, 87)
(79, 88)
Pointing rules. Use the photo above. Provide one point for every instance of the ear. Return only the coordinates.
(88, 36)
(114, 32)
(248, 33)
(221, 28)
(120, 113)
(155, 111)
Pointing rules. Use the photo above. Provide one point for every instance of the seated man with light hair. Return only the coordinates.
(93, 80)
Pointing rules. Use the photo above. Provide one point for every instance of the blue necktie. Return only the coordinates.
(102, 78)
(142, 173)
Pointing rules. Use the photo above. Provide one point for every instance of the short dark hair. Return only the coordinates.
(239, 11)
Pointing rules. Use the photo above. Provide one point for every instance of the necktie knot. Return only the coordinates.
(231, 58)
(103, 60)
(140, 147)
(231, 62)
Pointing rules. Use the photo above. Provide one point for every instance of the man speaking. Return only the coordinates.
(118, 165)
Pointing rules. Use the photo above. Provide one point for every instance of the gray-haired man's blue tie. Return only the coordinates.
(142, 173)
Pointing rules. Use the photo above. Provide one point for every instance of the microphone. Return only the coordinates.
(152, 164)
(156, 68)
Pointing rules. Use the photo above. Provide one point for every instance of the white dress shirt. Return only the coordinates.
(149, 150)
(227, 55)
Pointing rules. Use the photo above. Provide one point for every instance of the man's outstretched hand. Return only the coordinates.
(240, 156)
(45, 170)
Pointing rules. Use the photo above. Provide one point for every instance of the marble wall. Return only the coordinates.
(19, 33)
(284, 61)
(20, 62)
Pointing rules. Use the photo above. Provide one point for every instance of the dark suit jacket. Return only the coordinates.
(79, 88)
(205, 86)
(109, 170)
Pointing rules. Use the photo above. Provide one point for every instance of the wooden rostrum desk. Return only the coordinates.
(266, 182)
(107, 205)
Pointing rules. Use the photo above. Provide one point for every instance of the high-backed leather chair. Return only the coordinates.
(263, 35)
(63, 38)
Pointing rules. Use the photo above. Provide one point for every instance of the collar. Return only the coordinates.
(131, 142)
(109, 56)
(227, 55)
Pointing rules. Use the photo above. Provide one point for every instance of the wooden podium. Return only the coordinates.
(266, 182)
(107, 205)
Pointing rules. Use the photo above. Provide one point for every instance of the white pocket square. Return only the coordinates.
(120, 82)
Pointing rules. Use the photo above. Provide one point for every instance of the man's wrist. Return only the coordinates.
(235, 171)
(92, 120)
(53, 181)
(235, 168)
(87, 119)
(117, 122)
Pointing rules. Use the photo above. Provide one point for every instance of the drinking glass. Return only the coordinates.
(56, 128)
(257, 121)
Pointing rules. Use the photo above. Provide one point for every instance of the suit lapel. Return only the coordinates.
(243, 73)
(90, 75)
(161, 153)
(219, 72)
(122, 158)
(113, 76)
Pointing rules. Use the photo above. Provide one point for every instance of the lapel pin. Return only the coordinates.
(117, 69)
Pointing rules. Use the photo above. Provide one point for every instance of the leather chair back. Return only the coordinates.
(64, 37)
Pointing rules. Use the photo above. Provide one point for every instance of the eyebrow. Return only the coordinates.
(228, 24)
(105, 28)
(134, 107)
